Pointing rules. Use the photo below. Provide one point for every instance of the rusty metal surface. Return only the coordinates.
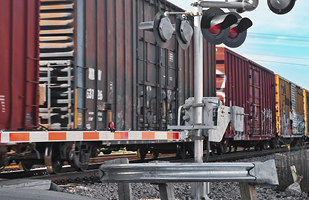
(291, 109)
(241, 82)
(306, 102)
(19, 52)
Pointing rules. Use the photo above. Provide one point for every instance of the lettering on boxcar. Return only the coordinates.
(100, 94)
(171, 56)
(88, 126)
(100, 75)
(91, 74)
(90, 93)
(2, 103)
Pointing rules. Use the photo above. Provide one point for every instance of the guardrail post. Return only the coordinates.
(124, 189)
(247, 191)
(166, 191)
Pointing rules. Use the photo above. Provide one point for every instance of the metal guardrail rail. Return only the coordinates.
(248, 174)
(191, 172)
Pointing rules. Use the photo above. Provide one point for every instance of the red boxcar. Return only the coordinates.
(241, 82)
(19, 54)
(120, 73)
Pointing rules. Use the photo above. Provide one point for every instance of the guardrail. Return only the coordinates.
(247, 174)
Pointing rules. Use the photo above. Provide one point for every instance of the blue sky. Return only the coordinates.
(277, 42)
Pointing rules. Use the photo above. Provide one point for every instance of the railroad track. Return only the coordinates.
(69, 174)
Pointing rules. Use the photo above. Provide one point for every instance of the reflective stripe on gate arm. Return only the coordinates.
(46, 136)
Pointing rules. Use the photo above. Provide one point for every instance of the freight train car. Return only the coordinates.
(242, 82)
(291, 111)
(96, 67)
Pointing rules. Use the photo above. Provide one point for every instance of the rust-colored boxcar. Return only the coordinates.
(19, 54)
(306, 114)
(290, 108)
(97, 66)
(242, 82)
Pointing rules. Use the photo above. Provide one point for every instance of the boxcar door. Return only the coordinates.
(254, 101)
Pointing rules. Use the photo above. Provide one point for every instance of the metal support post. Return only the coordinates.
(198, 191)
(124, 189)
(166, 191)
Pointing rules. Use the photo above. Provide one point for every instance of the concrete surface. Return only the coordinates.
(33, 194)
(26, 183)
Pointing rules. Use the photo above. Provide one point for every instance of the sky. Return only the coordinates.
(277, 42)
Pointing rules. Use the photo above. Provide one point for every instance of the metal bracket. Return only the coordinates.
(243, 5)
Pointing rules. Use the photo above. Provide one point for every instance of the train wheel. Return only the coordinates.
(213, 149)
(53, 162)
(181, 151)
(233, 148)
(155, 154)
(25, 166)
(80, 156)
(141, 153)
(264, 145)
(222, 147)
(274, 144)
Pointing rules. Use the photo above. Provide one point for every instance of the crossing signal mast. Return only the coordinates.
(216, 26)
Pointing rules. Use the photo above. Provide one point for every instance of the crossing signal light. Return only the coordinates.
(238, 31)
(228, 28)
(163, 30)
(281, 6)
(215, 25)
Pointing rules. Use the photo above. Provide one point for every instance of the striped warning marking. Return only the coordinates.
(23, 137)
(57, 136)
(46, 136)
(91, 136)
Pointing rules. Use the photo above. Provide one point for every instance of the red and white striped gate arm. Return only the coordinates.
(66, 136)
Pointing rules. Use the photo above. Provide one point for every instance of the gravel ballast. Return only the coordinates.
(219, 190)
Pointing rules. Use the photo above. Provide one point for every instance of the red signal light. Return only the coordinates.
(215, 30)
(233, 32)
(111, 126)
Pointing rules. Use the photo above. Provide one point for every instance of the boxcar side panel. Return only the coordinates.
(241, 82)
(19, 52)
(306, 107)
(285, 107)
(298, 110)
(120, 73)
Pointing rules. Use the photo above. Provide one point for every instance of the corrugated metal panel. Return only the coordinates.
(241, 82)
(142, 85)
(19, 53)
(56, 65)
(306, 107)
(307, 111)
(285, 107)
(120, 73)
(291, 108)
(298, 123)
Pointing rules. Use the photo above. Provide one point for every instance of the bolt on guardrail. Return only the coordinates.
(248, 174)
